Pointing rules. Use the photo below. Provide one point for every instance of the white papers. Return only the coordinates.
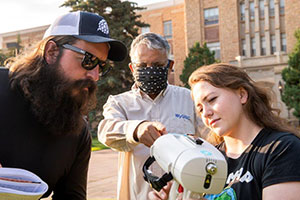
(20, 184)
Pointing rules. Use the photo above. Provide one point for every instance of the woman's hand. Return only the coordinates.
(163, 194)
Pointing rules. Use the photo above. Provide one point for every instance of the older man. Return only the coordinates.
(44, 97)
(135, 119)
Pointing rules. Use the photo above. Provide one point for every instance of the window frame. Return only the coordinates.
(283, 42)
(242, 11)
(261, 9)
(263, 49)
(168, 29)
(209, 18)
(253, 47)
(273, 41)
(272, 9)
(215, 46)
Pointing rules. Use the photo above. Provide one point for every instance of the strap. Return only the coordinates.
(154, 181)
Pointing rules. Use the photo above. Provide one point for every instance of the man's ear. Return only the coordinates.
(243, 95)
(130, 66)
(51, 52)
(171, 65)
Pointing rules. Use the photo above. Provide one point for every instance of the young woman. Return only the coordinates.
(260, 148)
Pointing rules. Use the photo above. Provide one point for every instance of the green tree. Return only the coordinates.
(11, 52)
(18, 47)
(291, 76)
(124, 23)
(197, 57)
(5, 55)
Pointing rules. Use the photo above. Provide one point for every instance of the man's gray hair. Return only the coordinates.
(152, 41)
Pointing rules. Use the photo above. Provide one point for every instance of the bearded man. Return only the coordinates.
(135, 119)
(45, 96)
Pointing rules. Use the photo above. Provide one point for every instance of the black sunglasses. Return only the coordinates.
(90, 61)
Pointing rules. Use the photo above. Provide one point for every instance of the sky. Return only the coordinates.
(23, 14)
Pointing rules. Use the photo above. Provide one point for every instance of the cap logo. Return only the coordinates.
(103, 27)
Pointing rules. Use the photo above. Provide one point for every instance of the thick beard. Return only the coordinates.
(60, 104)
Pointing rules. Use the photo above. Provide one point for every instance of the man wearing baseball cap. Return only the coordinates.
(44, 97)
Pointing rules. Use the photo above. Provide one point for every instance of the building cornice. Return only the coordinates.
(164, 4)
(24, 31)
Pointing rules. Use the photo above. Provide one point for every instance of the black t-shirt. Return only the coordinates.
(272, 158)
(61, 161)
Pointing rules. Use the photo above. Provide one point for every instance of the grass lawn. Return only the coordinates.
(96, 145)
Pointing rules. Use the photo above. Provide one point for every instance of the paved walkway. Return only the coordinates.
(102, 177)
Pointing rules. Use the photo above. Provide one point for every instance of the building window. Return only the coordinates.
(251, 10)
(253, 52)
(12, 45)
(271, 8)
(215, 46)
(283, 42)
(243, 47)
(168, 29)
(211, 16)
(281, 5)
(145, 29)
(261, 9)
(263, 45)
(242, 10)
(273, 44)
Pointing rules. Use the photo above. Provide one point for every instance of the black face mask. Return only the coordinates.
(151, 80)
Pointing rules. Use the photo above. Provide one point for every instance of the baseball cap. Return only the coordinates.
(89, 27)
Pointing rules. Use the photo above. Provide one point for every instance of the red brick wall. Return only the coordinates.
(292, 22)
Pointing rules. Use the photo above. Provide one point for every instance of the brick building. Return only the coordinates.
(256, 35)
(27, 38)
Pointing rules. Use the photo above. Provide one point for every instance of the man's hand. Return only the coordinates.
(148, 132)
